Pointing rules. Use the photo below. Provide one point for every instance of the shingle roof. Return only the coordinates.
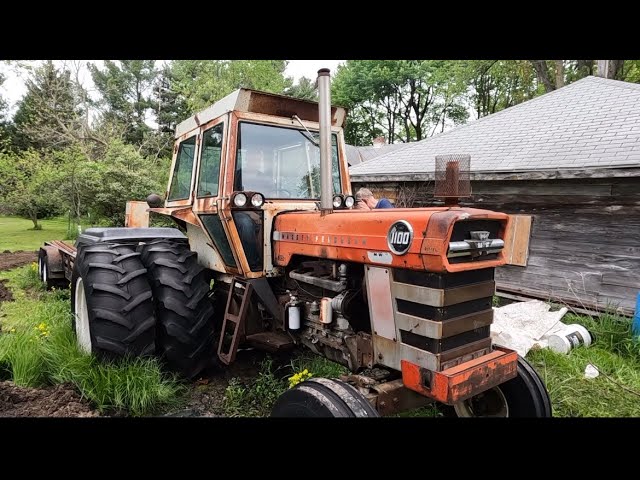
(591, 123)
(357, 155)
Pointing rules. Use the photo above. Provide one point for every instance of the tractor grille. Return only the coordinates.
(447, 316)
(473, 240)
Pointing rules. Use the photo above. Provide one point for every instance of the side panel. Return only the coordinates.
(137, 214)
(380, 302)
(208, 257)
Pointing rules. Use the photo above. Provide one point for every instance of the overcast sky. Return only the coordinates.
(13, 88)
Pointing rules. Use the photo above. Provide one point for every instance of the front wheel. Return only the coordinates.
(522, 396)
(323, 397)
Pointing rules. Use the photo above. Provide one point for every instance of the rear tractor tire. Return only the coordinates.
(186, 333)
(112, 303)
(323, 397)
(522, 396)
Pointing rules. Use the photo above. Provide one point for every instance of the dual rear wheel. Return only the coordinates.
(142, 301)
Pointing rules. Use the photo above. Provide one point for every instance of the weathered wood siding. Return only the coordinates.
(585, 235)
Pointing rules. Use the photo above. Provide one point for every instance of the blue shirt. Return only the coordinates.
(384, 203)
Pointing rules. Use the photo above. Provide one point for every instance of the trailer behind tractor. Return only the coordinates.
(269, 253)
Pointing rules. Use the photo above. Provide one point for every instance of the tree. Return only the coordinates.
(125, 88)
(124, 175)
(498, 84)
(304, 89)
(49, 115)
(168, 105)
(631, 71)
(554, 74)
(5, 127)
(29, 186)
(80, 181)
(204, 82)
(406, 99)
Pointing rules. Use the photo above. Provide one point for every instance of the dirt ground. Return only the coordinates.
(5, 293)
(57, 401)
(9, 260)
(207, 394)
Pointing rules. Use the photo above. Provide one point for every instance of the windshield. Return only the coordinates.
(281, 162)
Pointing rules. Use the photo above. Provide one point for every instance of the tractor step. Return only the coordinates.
(235, 315)
(270, 341)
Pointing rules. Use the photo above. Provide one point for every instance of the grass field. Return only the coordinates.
(38, 348)
(18, 234)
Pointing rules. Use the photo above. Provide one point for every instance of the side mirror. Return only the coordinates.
(154, 200)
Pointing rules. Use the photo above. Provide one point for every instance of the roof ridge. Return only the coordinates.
(587, 79)
(612, 82)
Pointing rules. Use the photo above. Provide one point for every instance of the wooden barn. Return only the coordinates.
(567, 165)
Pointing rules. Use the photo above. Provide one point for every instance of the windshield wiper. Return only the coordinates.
(308, 137)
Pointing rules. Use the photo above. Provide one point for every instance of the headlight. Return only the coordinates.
(337, 201)
(349, 201)
(257, 200)
(240, 200)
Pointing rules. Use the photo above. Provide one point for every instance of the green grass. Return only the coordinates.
(256, 398)
(616, 354)
(38, 348)
(18, 233)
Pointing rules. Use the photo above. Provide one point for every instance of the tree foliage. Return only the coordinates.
(124, 175)
(498, 84)
(304, 89)
(203, 82)
(125, 88)
(5, 125)
(49, 115)
(407, 100)
(29, 186)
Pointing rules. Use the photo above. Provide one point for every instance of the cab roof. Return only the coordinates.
(245, 100)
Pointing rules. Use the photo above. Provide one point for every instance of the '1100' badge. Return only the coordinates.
(399, 237)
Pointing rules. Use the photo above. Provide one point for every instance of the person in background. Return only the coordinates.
(366, 201)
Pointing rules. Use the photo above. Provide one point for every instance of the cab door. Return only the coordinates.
(211, 242)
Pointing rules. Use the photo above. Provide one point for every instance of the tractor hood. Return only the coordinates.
(433, 239)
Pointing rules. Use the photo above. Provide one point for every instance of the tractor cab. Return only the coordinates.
(239, 163)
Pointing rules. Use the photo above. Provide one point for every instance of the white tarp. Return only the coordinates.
(519, 326)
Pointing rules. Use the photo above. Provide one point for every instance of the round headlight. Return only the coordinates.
(257, 200)
(349, 201)
(240, 200)
(337, 201)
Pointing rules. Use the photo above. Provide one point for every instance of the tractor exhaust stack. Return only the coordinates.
(452, 178)
(324, 112)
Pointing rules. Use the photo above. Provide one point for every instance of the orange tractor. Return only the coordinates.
(270, 254)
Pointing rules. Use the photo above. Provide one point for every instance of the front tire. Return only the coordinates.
(323, 397)
(522, 396)
(185, 313)
(111, 301)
